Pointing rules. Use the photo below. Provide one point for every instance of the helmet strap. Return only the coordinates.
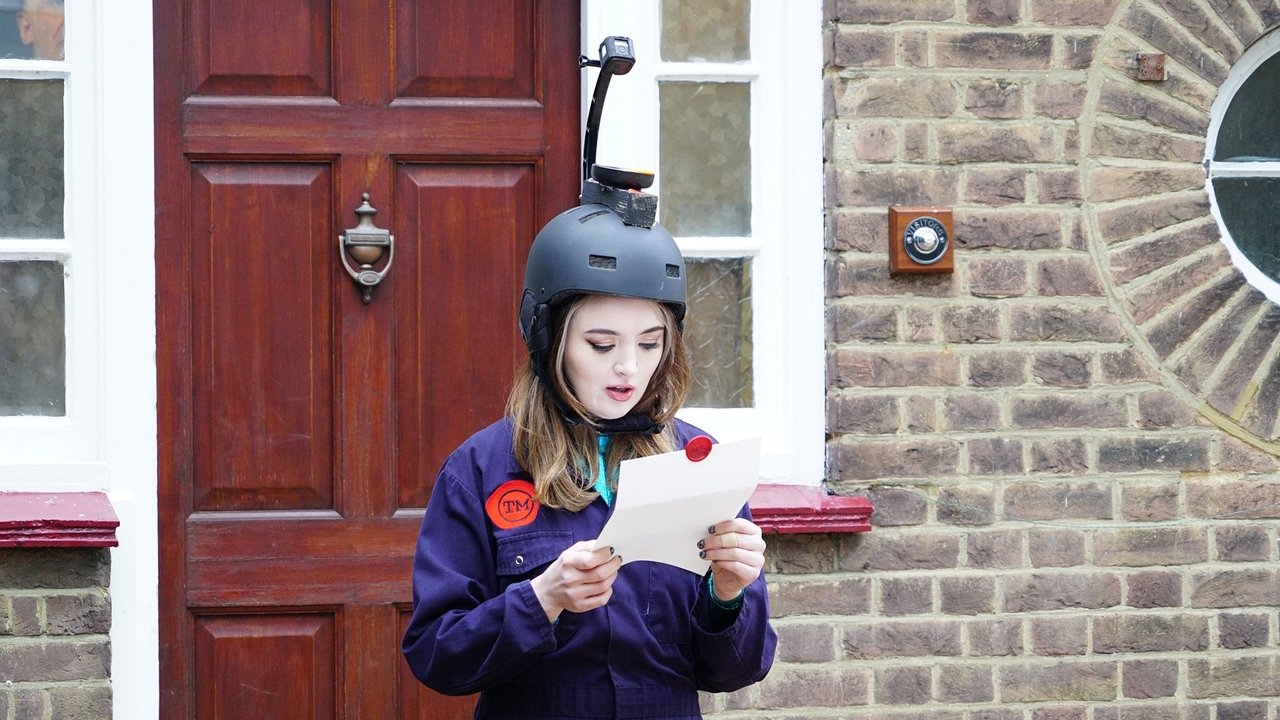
(634, 422)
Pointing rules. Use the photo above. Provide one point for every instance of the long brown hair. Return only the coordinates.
(563, 458)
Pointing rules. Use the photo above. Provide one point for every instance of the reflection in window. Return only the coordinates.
(1244, 172)
(705, 158)
(1251, 127)
(31, 29)
(706, 31)
(32, 345)
(718, 332)
(1249, 209)
(32, 182)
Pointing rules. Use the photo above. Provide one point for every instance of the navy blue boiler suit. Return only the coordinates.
(477, 625)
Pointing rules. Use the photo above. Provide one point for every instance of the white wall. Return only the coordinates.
(126, 158)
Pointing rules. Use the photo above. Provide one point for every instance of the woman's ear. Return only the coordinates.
(24, 27)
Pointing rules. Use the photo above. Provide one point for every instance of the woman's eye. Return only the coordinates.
(601, 348)
(651, 345)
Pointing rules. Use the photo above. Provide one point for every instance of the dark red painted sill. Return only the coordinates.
(794, 509)
(65, 519)
(86, 519)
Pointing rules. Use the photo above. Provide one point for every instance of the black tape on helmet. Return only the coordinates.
(589, 249)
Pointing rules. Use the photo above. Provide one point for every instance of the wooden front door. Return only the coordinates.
(300, 428)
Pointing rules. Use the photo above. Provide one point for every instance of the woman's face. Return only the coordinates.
(612, 347)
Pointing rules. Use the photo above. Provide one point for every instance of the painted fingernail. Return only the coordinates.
(702, 554)
(711, 529)
(701, 544)
(612, 551)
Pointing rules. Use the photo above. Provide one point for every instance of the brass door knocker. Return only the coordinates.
(364, 243)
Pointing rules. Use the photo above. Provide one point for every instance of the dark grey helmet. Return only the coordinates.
(588, 249)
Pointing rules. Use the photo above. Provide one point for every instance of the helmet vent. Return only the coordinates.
(605, 262)
(673, 271)
(593, 215)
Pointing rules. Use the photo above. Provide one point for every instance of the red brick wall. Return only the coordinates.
(1077, 497)
(55, 614)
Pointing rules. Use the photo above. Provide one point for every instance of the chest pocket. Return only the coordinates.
(521, 554)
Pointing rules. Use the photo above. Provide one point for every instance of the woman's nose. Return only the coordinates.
(626, 363)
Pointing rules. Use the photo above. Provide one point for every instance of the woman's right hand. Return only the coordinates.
(579, 580)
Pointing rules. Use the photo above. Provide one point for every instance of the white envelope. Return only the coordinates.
(666, 502)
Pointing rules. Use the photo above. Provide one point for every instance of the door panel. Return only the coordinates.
(262, 295)
(233, 653)
(300, 428)
(250, 47)
(461, 295)
(286, 558)
(493, 58)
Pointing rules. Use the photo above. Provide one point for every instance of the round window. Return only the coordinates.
(1242, 158)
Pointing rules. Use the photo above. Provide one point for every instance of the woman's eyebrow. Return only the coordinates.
(607, 331)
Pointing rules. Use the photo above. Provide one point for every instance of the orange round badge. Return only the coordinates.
(512, 505)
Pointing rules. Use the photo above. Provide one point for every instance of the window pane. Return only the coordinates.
(705, 158)
(1251, 127)
(1249, 208)
(31, 176)
(32, 348)
(706, 31)
(31, 29)
(718, 332)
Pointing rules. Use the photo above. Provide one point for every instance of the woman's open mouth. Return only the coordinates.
(619, 393)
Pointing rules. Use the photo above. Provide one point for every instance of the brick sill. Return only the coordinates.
(66, 519)
(795, 509)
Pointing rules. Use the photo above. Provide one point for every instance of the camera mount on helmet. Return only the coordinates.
(616, 188)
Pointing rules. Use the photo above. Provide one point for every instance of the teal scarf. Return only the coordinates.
(602, 478)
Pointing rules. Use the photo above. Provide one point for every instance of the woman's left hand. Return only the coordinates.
(736, 551)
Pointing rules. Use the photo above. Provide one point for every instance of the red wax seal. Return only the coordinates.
(512, 505)
(698, 448)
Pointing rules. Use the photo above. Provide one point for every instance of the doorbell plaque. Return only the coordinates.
(920, 240)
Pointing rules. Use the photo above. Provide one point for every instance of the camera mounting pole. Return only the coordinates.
(616, 58)
(616, 188)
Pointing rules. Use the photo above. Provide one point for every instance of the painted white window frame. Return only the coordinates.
(786, 244)
(65, 452)
(1258, 53)
(107, 440)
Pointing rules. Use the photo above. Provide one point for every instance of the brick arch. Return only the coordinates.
(1214, 339)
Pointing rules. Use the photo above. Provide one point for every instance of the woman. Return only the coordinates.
(509, 601)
